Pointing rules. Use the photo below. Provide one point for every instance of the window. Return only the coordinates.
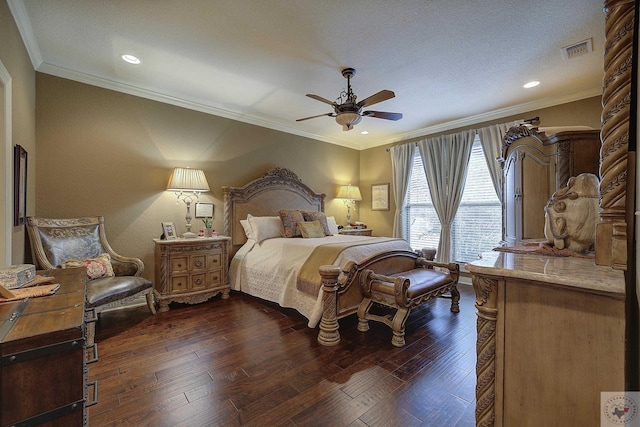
(477, 226)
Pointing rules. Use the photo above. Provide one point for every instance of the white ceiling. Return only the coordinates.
(451, 63)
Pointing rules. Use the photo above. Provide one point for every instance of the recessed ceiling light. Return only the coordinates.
(531, 84)
(364, 132)
(131, 59)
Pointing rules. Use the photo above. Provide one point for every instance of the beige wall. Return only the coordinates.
(375, 164)
(15, 59)
(102, 152)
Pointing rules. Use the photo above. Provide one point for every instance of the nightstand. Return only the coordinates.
(356, 231)
(190, 270)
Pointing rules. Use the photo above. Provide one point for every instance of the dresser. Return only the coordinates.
(356, 231)
(536, 162)
(190, 270)
(551, 338)
(43, 358)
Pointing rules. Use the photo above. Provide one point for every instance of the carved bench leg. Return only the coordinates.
(363, 310)
(398, 324)
(151, 303)
(455, 299)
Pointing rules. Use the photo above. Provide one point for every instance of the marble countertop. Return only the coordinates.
(573, 272)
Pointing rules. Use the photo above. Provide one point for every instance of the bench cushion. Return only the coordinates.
(421, 281)
(109, 289)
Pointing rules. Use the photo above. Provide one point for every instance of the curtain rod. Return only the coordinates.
(530, 121)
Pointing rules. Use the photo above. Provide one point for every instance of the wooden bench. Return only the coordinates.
(404, 291)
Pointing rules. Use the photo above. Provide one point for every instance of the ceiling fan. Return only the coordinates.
(347, 111)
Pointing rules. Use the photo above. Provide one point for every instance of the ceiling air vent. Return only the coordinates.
(577, 49)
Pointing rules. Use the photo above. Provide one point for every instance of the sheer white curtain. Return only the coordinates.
(446, 159)
(491, 140)
(401, 164)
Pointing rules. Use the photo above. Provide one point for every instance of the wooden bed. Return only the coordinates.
(281, 188)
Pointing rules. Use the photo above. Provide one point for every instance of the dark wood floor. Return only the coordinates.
(242, 361)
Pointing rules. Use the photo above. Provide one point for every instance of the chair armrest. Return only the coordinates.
(126, 266)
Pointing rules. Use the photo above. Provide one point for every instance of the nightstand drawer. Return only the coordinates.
(179, 284)
(179, 265)
(198, 262)
(215, 277)
(214, 261)
(198, 281)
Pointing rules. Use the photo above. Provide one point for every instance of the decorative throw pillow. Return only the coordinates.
(311, 229)
(333, 226)
(265, 227)
(317, 216)
(97, 267)
(290, 219)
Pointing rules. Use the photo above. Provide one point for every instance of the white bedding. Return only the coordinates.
(269, 269)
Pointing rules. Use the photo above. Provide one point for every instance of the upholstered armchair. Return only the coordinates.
(113, 280)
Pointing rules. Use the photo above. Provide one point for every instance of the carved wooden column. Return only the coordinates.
(329, 334)
(486, 302)
(611, 231)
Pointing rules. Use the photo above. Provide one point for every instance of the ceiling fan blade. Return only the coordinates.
(313, 117)
(382, 115)
(321, 99)
(383, 95)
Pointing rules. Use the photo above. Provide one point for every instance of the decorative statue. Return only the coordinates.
(572, 213)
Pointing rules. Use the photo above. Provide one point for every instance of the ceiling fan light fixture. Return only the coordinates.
(348, 120)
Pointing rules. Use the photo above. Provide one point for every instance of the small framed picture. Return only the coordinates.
(169, 230)
(204, 210)
(19, 185)
(380, 197)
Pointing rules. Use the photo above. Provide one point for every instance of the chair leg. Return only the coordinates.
(399, 321)
(455, 299)
(151, 303)
(363, 310)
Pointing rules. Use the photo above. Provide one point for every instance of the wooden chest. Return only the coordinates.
(43, 376)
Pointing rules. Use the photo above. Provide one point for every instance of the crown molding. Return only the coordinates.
(494, 115)
(23, 23)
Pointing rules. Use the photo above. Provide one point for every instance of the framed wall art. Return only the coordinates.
(19, 185)
(204, 210)
(169, 230)
(380, 197)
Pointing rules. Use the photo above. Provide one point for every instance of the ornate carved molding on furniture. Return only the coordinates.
(611, 231)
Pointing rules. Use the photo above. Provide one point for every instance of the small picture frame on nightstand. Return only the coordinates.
(169, 230)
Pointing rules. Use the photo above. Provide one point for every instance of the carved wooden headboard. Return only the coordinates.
(278, 189)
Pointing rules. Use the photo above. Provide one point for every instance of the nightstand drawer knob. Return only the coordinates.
(198, 281)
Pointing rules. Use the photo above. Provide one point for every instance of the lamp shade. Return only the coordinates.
(348, 120)
(349, 192)
(185, 179)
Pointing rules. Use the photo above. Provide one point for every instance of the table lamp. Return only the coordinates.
(350, 194)
(188, 184)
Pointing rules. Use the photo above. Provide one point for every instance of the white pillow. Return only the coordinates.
(333, 227)
(265, 227)
(248, 231)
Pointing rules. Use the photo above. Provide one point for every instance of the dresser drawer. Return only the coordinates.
(179, 284)
(179, 265)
